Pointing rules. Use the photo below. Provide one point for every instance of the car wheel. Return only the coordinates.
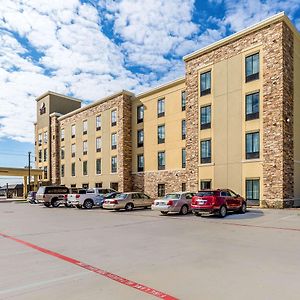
(55, 202)
(243, 208)
(184, 210)
(47, 204)
(164, 213)
(129, 206)
(223, 211)
(88, 204)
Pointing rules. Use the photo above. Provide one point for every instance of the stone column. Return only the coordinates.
(54, 151)
(25, 187)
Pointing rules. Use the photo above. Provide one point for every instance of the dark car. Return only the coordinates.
(218, 202)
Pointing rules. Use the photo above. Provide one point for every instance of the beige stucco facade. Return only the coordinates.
(277, 166)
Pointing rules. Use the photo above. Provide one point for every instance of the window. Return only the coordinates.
(62, 152)
(98, 123)
(161, 190)
(40, 139)
(62, 134)
(73, 169)
(252, 189)
(84, 167)
(252, 145)
(40, 156)
(114, 141)
(114, 185)
(140, 114)
(73, 131)
(73, 150)
(183, 187)
(45, 154)
(205, 152)
(45, 172)
(140, 138)
(252, 67)
(98, 184)
(161, 134)
(62, 170)
(113, 118)
(205, 184)
(183, 158)
(205, 117)
(205, 83)
(140, 163)
(183, 100)
(46, 137)
(161, 160)
(85, 185)
(98, 166)
(114, 164)
(84, 127)
(183, 129)
(84, 148)
(252, 106)
(160, 108)
(98, 144)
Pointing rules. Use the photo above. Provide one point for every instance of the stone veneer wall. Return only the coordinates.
(277, 42)
(54, 151)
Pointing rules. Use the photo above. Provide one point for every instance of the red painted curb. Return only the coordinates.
(117, 278)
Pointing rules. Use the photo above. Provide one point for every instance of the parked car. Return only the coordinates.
(128, 201)
(89, 198)
(52, 195)
(31, 197)
(174, 202)
(218, 202)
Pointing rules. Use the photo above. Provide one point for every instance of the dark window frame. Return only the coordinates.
(252, 76)
(252, 154)
(98, 160)
(113, 123)
(138, 119)
(140, 143)
(248, 181)
(73, 168)
(205, 159)
(183, 161)
(161, 190)
(114, 167)
(205, 184)
(140, 168)
(161, 166)
(85, 168)
(206, 125)
(183, 100)
(253, 115)
(183, 129)
(207, 90)
(161, 140)
(161, 113)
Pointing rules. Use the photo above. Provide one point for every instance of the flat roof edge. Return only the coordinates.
(56, 94)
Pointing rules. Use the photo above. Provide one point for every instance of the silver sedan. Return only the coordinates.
(174, 202)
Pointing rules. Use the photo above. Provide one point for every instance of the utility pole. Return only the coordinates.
(29, 153)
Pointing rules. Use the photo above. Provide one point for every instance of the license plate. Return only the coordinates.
(201, 202)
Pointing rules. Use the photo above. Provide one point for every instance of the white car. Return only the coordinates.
(179, 202)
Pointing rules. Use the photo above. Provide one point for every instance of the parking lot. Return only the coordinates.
(67, 253)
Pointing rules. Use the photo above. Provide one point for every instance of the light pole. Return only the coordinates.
(29, 154)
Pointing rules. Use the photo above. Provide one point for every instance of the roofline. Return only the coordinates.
(78, 110)
(56, 94)
(278, 17)
(161, 87)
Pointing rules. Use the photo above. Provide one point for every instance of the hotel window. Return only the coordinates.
(161, 134)
(114, 164)
(73, 150)
(183, 158)
(98, 166)
(98, 123)
(140, 163)
(205, 117)
(252, 189)
(85, 185)
(205, 83)
(98, 185)
(40, 139)
(140, 114)
(183, 129)
(85, 127)
(114, 141)
(140, 138)
(206, 152)
(113, 118)
(62, 170)
(46, 137)
(62, 153)
(62, 134)
(73, 169)
(161, 158)
(183, 187)
(114, 186)
(84, 148)
(45, 172)
(252, 67)
(40, 156)
(252, 106)
(252, 145)
(98, 144)
(205, 184)
(160, 108)
(161, 190)
(84, 168)
(73, 131)
(45, 154)
(183, 100)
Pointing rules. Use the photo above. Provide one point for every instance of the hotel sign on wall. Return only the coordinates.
(43, 108)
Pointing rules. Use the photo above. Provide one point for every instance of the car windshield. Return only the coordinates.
(205, 193)
(172, 196)
(122, 196)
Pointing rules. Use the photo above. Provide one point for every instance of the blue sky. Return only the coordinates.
(89, 49)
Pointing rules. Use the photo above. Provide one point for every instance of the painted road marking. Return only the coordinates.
(117, 278)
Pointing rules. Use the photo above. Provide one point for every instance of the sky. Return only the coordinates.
(89, 49)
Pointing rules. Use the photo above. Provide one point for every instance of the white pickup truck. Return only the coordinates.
(89, 198)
